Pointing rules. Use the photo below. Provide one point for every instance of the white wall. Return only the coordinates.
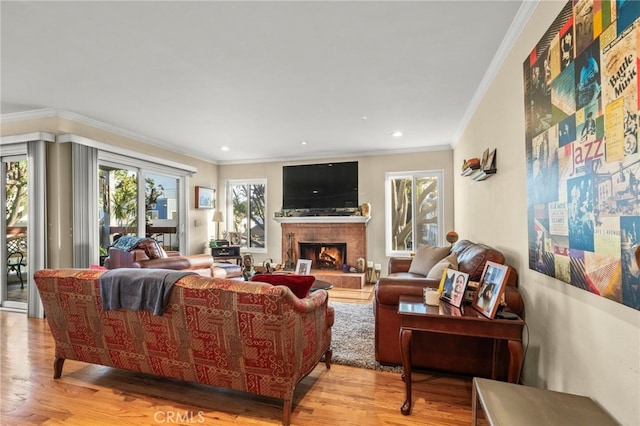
(578, 342)
(371, 173)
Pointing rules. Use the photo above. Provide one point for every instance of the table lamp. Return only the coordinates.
(217, 218)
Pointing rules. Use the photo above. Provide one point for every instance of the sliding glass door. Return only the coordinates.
(122, 189)
(15, 271)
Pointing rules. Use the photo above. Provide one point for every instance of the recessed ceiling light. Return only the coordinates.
(365, 117)
(304, 143)
(224, 148)
(396, 134)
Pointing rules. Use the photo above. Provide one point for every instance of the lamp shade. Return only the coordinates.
(217, 217)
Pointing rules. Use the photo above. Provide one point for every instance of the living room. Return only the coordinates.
(578, 342)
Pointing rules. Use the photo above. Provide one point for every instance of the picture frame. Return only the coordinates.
(235, 238)
(490, 289)
(452, 286)
(303, 267)
(205, 197)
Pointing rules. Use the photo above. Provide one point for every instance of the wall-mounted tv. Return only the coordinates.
(320, 186)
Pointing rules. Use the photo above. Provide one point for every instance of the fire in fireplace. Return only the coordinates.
(324, 255)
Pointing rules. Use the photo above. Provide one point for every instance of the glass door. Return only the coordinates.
(118, 205)
(14, 200)
(161, 210)
(121, 190)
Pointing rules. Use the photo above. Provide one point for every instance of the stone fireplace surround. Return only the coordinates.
(330, 229)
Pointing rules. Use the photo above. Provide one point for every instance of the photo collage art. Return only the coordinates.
(583, 162)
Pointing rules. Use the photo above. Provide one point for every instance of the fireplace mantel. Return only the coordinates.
(323, 219)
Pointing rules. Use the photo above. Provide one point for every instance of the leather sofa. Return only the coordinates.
(146, 253)
(434, 351)
(252, 337)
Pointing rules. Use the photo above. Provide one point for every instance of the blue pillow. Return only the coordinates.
(126, 242)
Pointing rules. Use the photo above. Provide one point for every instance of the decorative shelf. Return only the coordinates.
(469, 170)
(484, 174)
(323, 219)
(485, 170)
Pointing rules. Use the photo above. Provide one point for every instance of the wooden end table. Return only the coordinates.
(447, 319)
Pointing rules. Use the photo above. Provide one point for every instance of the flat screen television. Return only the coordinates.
(320, 186)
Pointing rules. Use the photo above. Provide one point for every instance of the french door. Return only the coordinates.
(15, 203)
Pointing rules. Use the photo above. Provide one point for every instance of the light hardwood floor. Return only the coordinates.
(94, 395)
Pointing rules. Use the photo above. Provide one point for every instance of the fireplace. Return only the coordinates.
(348, 230)
(328, 256)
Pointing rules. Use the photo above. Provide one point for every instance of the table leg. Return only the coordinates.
(515, 360)
(405, 351)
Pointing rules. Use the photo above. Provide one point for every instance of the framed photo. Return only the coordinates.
(205, 198)
(490, 289)
(235, 238)
(452, 286)
(303, 267)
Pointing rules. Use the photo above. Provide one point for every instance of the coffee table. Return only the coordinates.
(445, 318)
(321, 285)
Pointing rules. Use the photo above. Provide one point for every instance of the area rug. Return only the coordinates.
(353, 337)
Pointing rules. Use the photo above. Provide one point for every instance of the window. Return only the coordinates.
(246, 212)
(124, 193)
(118, 206)
(413, 211)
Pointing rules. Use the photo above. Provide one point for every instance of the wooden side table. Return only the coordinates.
(416, 316)
(511, 404)
(226, 253)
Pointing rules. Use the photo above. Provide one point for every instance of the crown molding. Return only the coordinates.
(38, 114)
(513, 33)
(28, 137)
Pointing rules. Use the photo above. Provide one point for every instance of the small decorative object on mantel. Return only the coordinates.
(360, 265)
(365, 208)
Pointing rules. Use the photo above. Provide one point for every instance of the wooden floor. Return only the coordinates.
(94, 395)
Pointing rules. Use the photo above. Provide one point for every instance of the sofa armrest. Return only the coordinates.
(120, 259)
(389, 289)
(399, 264)
(192, 262)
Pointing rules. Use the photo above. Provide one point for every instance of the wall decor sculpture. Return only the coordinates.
(583, 163)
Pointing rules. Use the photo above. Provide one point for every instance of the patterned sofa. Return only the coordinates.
(247, 336)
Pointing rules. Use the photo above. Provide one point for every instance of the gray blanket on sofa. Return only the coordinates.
(138, 289)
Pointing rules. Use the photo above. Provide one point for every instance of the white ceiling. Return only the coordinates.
(259, 77)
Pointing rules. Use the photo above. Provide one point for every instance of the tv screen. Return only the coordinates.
(320, 186)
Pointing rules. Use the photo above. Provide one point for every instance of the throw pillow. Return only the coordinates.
(150, 247)
(126, 242)
(450, 262)
(426, 257)
(299, 284)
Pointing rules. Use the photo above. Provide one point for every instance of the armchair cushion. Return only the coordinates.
(450, 262)
(426, 257)
(298, 284)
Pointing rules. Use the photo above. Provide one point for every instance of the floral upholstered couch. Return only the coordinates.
(247, 336)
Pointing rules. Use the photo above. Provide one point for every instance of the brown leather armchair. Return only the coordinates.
(148, 254)
(434, 351)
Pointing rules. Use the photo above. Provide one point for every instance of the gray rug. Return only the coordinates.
(353, 337)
